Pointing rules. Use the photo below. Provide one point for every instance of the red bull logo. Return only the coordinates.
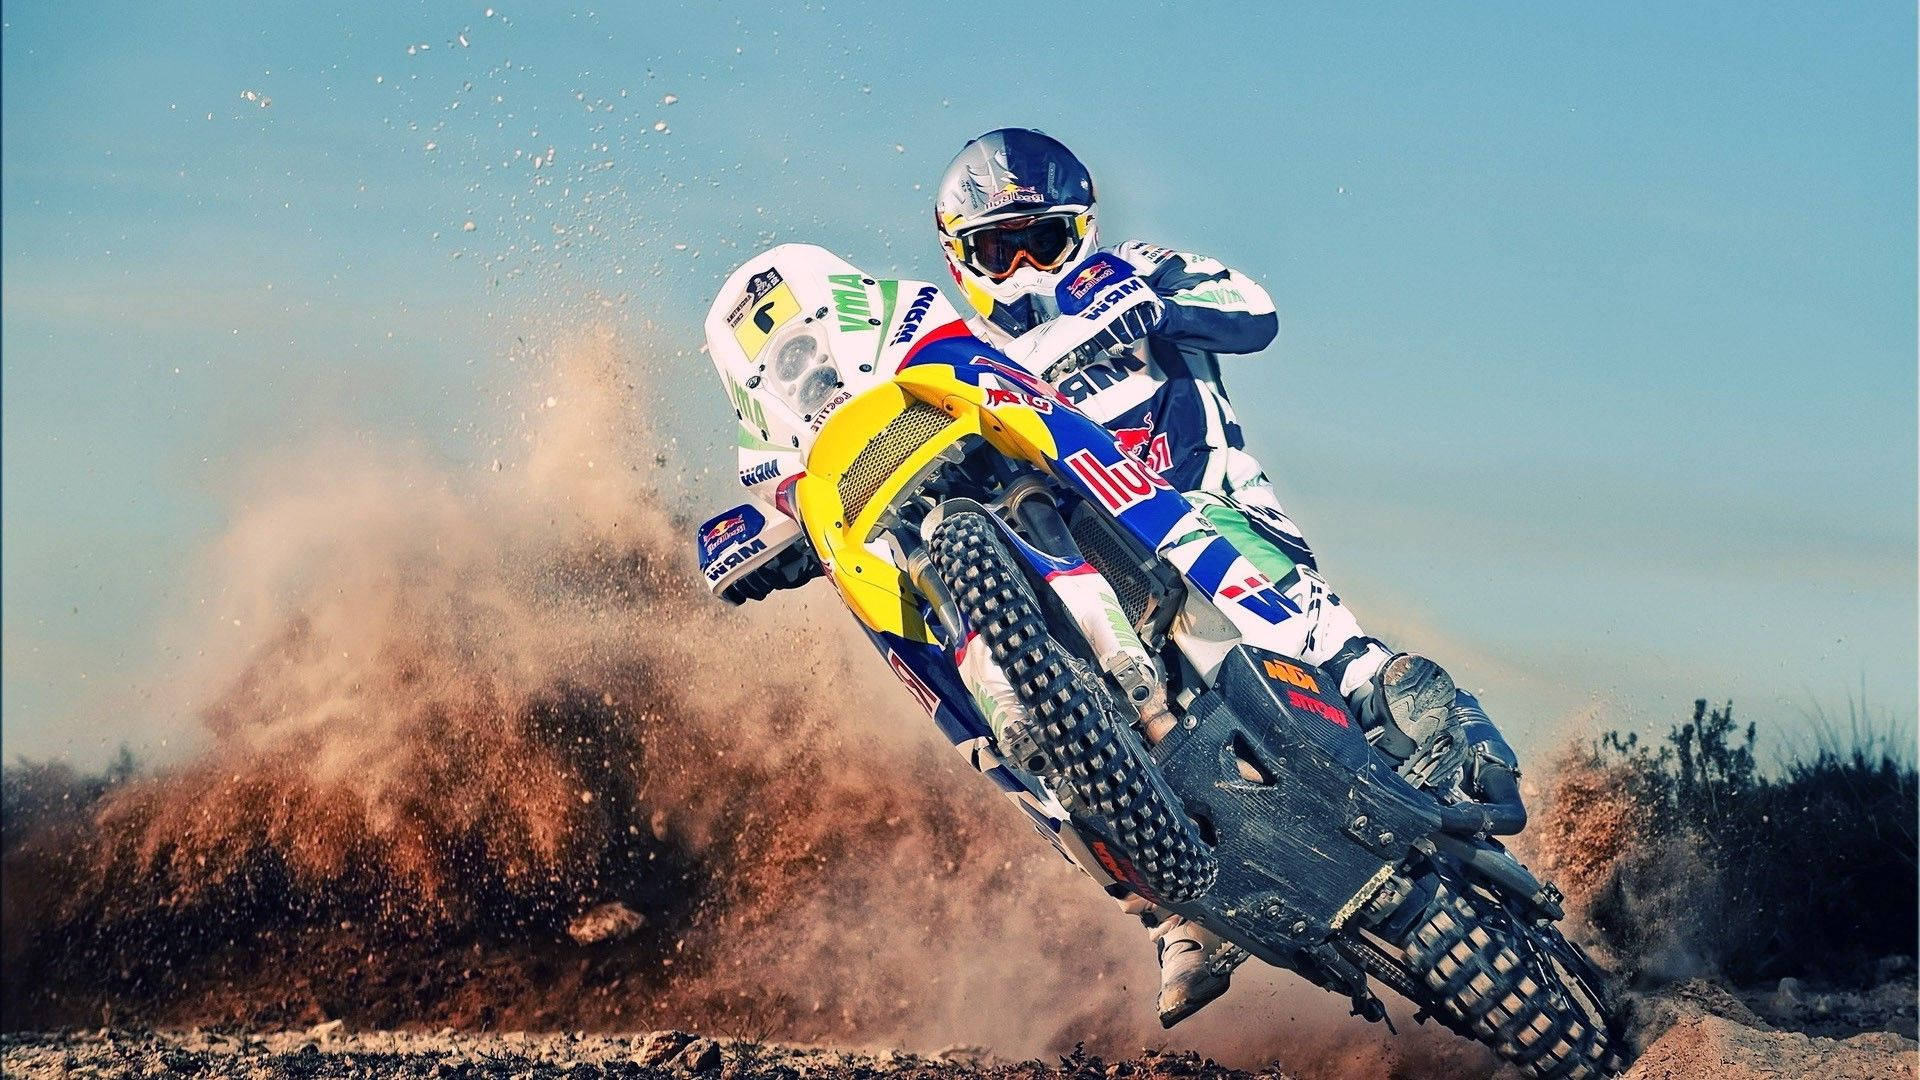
(1142, 445)
(724, 531)
(997, 396)
(1089, 279)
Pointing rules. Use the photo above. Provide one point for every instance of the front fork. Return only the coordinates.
(1083, 593)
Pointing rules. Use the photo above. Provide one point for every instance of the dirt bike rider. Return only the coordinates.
(1015, 213)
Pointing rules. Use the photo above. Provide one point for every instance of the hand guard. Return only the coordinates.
(791, 568)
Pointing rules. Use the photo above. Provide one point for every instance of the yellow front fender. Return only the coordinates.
(868, 453)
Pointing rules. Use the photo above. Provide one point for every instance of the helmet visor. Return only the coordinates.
(1043, 243)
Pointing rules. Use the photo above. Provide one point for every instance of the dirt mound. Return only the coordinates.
(1697, 1028)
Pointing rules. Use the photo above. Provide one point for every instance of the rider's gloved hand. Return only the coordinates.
(794, 566)
(1087, 339)
(1104, 305)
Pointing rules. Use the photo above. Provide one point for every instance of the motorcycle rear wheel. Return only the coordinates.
(1543, 1017)
(1076, 733)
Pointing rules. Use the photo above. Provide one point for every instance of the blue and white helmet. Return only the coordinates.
(1015, 214)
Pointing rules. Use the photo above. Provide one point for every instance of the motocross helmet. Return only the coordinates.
(1015, 214)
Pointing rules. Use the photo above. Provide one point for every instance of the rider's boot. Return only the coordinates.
(1196, 967)
(1413, 713)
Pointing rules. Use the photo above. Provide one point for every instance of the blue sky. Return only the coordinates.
(1597, 376)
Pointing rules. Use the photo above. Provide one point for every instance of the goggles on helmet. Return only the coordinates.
(1044, 243)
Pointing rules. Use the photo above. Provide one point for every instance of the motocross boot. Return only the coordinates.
(1196, 967)
(1412, 713)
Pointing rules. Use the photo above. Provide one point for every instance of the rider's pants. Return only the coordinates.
(1317, 629)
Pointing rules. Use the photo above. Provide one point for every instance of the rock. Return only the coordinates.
(701, 1055)
(610, 921)
(1891, 967)
(324, 1031)
(1787, 998)
(658, 823)
(659, 1047)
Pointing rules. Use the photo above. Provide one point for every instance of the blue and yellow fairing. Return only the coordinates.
(988, 397)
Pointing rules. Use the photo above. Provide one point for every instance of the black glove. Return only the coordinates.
(793, 566)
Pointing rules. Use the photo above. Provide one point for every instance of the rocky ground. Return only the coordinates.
(325, 1051)
(1695, 1029)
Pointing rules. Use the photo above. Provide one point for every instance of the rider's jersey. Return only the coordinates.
(1162, 397)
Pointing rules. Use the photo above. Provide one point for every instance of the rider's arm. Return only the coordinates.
(1208, 305)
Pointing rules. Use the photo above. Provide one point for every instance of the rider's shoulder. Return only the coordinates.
(1149, 259)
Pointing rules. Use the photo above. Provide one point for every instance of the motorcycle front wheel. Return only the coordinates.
(1076, 734)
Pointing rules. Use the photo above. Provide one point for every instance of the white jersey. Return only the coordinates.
(1163, 397)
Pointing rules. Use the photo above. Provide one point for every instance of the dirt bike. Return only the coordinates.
(949, 495)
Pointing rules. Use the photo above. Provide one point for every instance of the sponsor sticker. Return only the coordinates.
(1153, 451)
(767, 304)
(1120, 868)
(1281, 671)
(1011, 194)
(916, 313)
(1090, 278)
(747, 407)
(1114, 296)
(719, 567)
(1119, 485)
(736, 526)
(820, 418)
(1109, 372)
(759, 474)
(724, 531)
(1008, 395)
(997, 396)
(1258, 595)
(1317, 707)
(850, 302)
